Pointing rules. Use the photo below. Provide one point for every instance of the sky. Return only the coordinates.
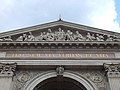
(103, 14)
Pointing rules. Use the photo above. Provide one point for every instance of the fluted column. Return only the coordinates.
(6, 75)
(113, 74)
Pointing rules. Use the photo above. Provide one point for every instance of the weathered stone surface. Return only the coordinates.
(59, 49)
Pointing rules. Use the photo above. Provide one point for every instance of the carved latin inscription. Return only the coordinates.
(77, 56)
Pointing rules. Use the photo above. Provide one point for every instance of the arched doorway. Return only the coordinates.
(69, 80)
(59, 83)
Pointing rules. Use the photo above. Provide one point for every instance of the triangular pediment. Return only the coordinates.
(59, 31)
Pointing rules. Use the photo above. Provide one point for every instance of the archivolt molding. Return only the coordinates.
(30, 85)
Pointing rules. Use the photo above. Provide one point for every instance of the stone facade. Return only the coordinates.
(59, 51)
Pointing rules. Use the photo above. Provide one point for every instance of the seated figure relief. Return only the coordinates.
(99, 37)
(7, 39)
(62, 35)
(90, 37)
(78, 36)
(50, 35)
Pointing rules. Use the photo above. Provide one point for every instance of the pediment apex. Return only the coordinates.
(66, 28)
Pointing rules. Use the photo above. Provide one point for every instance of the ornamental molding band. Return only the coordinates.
(7, 69)
(61, 35)
(113, 70)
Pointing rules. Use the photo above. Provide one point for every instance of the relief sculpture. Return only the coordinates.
(62, 35)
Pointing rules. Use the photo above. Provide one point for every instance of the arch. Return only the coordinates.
(69, 74)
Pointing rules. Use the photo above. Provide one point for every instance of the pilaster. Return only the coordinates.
(6, 75)
(113, 74)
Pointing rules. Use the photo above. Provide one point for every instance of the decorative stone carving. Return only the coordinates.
(7, 39)
(112, 67)
(62, 35)
(96, 77)
(23, 77)
(60, 70)
(19, 83)
(99, 37)
(112, 70)
(7, 68)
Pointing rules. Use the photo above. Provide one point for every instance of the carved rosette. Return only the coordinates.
(7, 69)
(112, 70)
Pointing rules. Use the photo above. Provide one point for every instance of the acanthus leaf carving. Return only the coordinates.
(7, 68)
(112, 70)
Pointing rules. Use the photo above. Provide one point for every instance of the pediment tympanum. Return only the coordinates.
(59, 31)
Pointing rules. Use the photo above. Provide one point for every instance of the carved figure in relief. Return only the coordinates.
(78, 37)
(19, 38)
(99, 37)
(30, 37)
(24, 37)
(90, 37)
(59, 35)
(116, 38)
(109, 38)
(1, 39)
(59, 70)
(7, 39)
(69, 36)
(39, 38)
(44, 36)
(50, 35)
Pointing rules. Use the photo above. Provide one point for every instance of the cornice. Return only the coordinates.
(60, 45)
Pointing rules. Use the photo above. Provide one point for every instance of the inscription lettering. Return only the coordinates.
(77, 56)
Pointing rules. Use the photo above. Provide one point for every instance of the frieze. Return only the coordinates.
(60, 55)
(62, 35)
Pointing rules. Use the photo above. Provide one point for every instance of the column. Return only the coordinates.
(6, 75)
(113, 74)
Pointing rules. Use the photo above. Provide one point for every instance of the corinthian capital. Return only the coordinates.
(112, 70)
(112, 67)
(7, 68)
